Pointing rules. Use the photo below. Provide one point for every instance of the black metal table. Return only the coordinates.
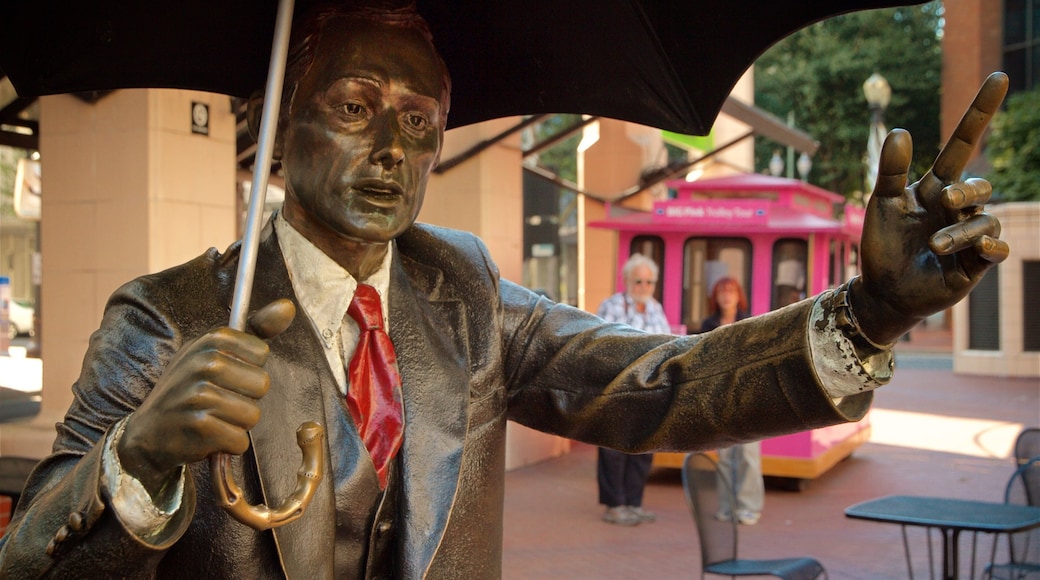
(950, 516)
(16, 405)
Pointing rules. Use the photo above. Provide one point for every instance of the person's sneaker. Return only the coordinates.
(723, 516)
(748, 518)
(621, 516)
(644, 516)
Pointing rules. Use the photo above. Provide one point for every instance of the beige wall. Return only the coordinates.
(608, 167)
(129, 190)
(1020, 223)
(484, 194)
(740, 157)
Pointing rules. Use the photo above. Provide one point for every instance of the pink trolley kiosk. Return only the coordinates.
(782, 239)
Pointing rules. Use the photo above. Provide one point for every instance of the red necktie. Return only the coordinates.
(374, 397)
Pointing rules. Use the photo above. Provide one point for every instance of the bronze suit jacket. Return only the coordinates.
(474, 351)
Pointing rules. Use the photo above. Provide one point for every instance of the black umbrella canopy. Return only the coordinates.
(664, 64)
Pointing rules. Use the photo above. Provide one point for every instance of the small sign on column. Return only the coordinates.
(199, 118)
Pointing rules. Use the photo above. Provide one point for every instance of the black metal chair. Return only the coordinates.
(1024, 547)
(14, 471)
(1027, 445)
(701, 482)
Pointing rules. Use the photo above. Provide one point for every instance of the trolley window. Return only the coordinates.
(852, 264)
(844, 262)
(790, 256)
(705, 260)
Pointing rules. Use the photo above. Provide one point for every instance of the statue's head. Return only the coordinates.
(362, 121)
(308, 27)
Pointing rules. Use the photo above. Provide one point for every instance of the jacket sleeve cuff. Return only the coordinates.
(844, 367)
(142, 515)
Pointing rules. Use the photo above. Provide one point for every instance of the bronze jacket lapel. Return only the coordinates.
(425, 319)
(301, 386)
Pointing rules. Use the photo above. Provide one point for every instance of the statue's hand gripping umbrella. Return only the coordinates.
(668, 65)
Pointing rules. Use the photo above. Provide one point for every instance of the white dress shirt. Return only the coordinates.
(324, 290)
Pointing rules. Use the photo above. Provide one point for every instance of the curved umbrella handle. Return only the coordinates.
(229, 495)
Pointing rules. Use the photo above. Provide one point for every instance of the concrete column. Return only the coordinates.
(608, 167)
(129, 189)
(740, 157)
(483, 195)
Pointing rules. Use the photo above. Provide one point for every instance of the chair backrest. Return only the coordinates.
(1027, 445)
(1024, 489)
(704, 484)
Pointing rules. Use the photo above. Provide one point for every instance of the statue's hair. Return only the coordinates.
(309, 25)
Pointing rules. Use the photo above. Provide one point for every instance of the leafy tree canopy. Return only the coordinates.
(817, 76)
(1014, 149)
(562, 158)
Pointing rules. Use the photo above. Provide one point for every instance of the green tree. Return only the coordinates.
(817, 75)
(562, 158)
(8, 169)
(1014, 149)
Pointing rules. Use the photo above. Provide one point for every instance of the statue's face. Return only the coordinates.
(364, 131)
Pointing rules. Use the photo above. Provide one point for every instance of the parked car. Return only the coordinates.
(21, 318)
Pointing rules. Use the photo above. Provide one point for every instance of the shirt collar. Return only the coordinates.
(323, 287)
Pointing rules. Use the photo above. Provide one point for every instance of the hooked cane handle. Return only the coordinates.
(229, 495)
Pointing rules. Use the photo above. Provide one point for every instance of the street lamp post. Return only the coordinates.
(776, 164)
(804, 166)
(878, 94)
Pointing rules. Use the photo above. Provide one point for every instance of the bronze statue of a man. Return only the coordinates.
(165, 384)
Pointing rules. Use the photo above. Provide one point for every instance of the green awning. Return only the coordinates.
(702, 143)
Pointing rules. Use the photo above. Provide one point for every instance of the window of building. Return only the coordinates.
(984, 313)
(1022, 44)
(550, 241)
(705, 260)
(1031, 306)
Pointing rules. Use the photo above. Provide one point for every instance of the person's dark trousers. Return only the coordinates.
(622, 477)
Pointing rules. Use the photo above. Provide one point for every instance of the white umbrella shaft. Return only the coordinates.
(262, 165)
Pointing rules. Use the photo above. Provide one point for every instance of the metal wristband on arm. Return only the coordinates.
(845, 320)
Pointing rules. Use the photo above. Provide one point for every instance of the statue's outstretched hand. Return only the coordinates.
(926, 246)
